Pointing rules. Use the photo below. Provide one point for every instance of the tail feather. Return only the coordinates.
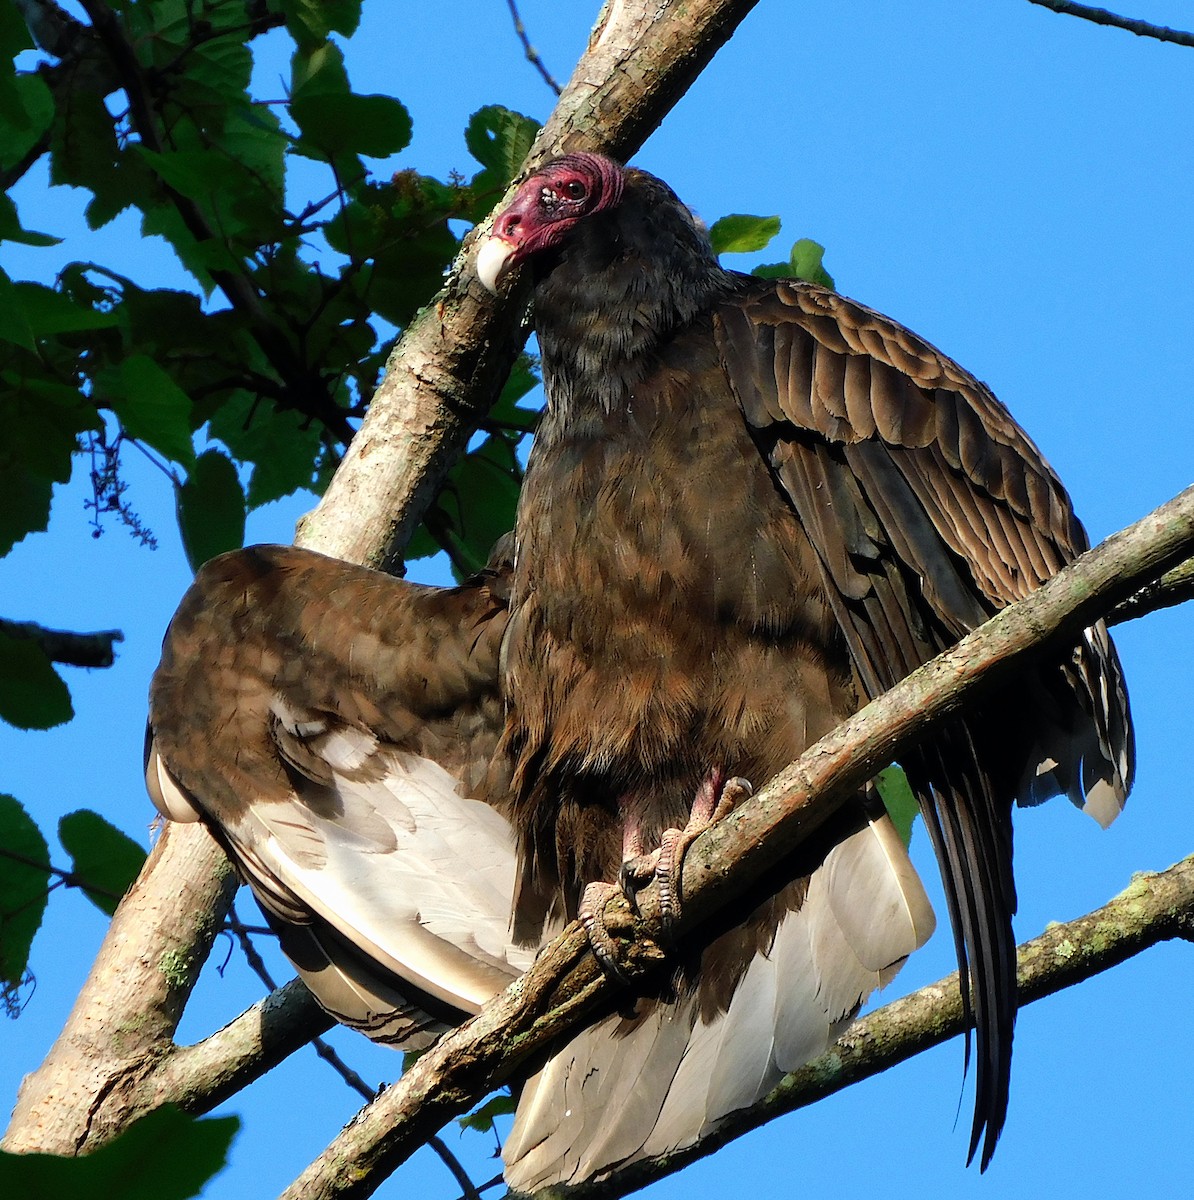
(628, 1089)
(970, 829)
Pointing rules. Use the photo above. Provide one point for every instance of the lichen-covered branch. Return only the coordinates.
(126, 1014)
(565, 988)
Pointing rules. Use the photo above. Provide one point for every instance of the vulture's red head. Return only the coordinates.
(545, 208)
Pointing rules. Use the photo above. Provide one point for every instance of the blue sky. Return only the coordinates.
(1012, 184)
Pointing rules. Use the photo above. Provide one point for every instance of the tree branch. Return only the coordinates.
(1101, 16)
(1154, 908)
(62, 646)
(565, 987)
(128, 1010)
(1174, 587)
(532, 55)
(449, 366)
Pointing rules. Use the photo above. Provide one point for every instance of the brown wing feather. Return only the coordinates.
(930, 509)
(335, 727)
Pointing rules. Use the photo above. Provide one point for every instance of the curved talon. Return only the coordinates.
(713, 801)
(710, 806)
(667, 875)
(603, 944)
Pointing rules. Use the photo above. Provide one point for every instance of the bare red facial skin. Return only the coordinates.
(552, 200)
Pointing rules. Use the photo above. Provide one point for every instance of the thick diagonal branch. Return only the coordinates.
(1155, 907)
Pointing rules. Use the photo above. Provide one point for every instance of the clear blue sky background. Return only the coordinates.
(1012, 184)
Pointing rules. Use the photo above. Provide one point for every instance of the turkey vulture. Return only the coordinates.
(751, 505)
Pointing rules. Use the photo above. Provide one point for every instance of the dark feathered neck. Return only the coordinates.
(621, 283)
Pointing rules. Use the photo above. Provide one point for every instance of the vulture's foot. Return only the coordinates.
(715, 798)
(602, 942)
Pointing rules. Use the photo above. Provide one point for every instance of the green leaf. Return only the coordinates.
(14, 325)
(14, 33)
(43, 417)
(26, 111)
(32, 693)
(479, 501)
(376, 126)
(166, 1155)
(898, 799)
(803, 263)
(154, 409)
(312, 20)
(101, 856)
(51, 312)
(806, 262)
(24, 503)
(11, 229)
(211, 509)
(499, 139)
(506, 411)
(481, 1119)
(742, 234)
(24, 887)
(281, 445)
(334, 120)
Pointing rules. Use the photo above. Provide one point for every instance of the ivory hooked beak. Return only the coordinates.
(492, 259)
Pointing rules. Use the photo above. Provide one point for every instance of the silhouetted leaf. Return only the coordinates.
(24, 886)
(103, 856)
(336, 121)
(211, 509)
(153, 408)
(481, 1119)
(11, 229)
(312, 20)
(32, 693)
(166, 1155)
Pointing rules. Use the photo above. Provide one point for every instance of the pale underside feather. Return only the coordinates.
(404, 868)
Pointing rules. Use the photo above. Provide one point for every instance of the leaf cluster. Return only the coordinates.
(305, 259)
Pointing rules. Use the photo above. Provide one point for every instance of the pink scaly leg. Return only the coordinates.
(715, 798)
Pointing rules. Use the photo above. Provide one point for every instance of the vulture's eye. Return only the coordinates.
(575, 190)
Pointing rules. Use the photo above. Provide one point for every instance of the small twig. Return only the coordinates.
(531, 53)
(1101, 16)
(1174, 587)
(63, 646)
(467, 1187)
(242, 932)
